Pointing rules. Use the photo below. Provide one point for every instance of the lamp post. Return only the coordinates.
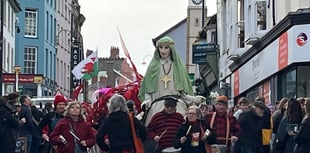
(203, 14)
(58, 35)
(17, 71)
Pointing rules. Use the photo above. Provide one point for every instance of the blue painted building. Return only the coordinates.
(36, 46)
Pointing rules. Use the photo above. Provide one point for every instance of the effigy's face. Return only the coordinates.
(164, 51)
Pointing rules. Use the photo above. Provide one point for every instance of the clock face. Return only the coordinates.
(197, 2)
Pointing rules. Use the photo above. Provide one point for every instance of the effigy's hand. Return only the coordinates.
(199, 99)
(146, 104)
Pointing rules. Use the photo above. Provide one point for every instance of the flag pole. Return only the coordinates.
(97, 69)
(123, 76)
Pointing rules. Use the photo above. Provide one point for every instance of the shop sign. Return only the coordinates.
(201, 50)
(22, 78)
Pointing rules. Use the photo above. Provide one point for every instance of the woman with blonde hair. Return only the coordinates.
(71, 134)
(192, 135)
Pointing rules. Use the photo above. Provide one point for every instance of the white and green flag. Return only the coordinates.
(87, 68)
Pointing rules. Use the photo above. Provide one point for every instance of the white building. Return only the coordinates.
(264, 48)
(9, 28)
(63, 36)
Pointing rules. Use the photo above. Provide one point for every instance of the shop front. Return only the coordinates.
(279, 69)
(30, 84)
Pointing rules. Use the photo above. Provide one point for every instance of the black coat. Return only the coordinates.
(302, 139)
(28, 127)
(9, 127)
(251, 125)
(187, 147)
(117, 127)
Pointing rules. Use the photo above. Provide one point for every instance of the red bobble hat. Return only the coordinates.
(58, 99)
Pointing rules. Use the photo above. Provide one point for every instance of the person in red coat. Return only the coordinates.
(71, 134)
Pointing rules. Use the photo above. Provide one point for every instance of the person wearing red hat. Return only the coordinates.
(224, 125)
(50, 119)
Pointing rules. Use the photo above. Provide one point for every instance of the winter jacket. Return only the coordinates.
(8, 128)
(302, 138)
(80, 128)
(117, 128)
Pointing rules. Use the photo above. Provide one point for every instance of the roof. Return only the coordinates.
(168, 31)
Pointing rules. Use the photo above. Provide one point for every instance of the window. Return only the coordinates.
(197, 22)
(213, 37)
(46, 62)
(240, 23)
(47, 25)
(51, 27)
(30, 23)
(303, 81)
(66, 11)
(288, 83)
(261, 15)
(5, 62)
(50, 70)
(9, 19)
(8, 56)
(12, 58)
(4, 12)
(65, 74)
(30, 54)
(12, 22)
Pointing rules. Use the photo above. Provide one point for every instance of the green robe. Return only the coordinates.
(150, 80)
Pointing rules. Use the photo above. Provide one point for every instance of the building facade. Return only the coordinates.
(8, 30)
(49, 30)
(63, 46)
(263, 48)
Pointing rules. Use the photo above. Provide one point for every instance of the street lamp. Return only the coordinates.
(17, 71)
(58, 35)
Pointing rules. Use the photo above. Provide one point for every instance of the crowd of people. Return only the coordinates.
(252, 128)
(172, 120)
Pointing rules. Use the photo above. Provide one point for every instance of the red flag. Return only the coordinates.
(138, 76)
(76, 92)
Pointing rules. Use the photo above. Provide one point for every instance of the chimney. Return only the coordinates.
(114, 52)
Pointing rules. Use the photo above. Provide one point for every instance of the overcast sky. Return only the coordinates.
(138, 21)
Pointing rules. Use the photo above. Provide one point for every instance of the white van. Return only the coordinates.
(40, 102)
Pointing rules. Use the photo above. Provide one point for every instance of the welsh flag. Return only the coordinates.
(87, 68)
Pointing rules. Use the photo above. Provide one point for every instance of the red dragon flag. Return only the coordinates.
(87, 68)
(138, 76)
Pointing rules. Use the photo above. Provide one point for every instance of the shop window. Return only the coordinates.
(288, 84)
(303, 81)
